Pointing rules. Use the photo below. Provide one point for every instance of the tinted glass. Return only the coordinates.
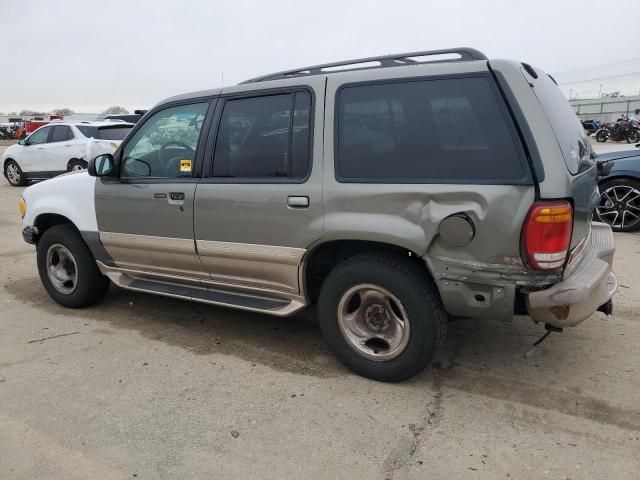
(39, 136)
(165, 145)
(301, 135)
(105, 133)
(574, 142)
(257, 137)
(432, 130)
(61, 133)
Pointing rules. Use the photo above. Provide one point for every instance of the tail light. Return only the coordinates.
(547, 234)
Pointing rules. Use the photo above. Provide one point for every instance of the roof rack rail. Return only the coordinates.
(393, 60)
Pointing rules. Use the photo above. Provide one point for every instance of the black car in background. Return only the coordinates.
(591, 126)
(620, 190)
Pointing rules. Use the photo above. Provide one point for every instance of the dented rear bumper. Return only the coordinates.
(584, 289)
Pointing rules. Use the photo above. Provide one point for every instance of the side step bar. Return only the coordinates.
(213, 296)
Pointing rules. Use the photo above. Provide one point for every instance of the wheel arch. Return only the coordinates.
(6, 162)
(323, 257)
(45, 221)
(621, 175)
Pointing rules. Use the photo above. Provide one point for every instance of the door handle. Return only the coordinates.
(68, 145)
(298, 201)
(176, 198)
(40, 148)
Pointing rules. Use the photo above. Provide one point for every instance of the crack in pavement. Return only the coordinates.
(401, 456)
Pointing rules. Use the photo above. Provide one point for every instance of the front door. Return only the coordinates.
(33, 156)
(261, 206)
(145, 216)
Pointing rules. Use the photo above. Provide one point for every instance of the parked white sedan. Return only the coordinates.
(60, 147)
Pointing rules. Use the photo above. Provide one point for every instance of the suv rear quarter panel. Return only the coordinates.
(409, 215)
(558, 183)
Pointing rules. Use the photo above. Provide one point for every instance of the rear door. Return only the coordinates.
(145, 217)
(261, 206)
(60, 149)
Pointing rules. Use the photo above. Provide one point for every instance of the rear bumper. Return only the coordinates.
(590, 285)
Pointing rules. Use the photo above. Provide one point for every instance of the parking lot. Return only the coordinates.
(149, 387)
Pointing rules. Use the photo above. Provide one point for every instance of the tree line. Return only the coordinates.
(114, 110)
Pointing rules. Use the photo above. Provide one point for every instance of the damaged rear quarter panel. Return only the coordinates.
(409, 215)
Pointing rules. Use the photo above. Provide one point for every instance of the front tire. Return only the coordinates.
(382, 316)
(14, 174)
(67, 268)
(633, 136)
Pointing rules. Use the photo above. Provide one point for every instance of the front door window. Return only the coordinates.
(165, 146)
(39, 136)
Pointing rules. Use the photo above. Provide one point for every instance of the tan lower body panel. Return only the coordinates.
(172, 287)
(256, 266)
(236, 270)
(173, 256)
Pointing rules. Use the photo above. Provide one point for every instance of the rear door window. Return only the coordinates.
(105, 133)
(259, 138)
(61, 133)
(453, 130)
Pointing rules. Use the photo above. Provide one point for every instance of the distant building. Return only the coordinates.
(607, 109)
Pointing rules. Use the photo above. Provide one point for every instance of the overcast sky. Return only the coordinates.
(88, 55)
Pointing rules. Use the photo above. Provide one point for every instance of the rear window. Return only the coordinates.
(105, 133)
(453, 130)
(575, 145)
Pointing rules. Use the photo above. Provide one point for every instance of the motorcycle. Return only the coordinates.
(627, 129)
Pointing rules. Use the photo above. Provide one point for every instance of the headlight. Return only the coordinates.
(22, 206)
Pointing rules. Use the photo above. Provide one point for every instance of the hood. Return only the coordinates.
(61, 182)
(9, 150)
(618, 155)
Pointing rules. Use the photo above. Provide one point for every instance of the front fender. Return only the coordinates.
(71, 196)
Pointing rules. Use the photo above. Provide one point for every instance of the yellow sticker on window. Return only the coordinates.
(185, 165)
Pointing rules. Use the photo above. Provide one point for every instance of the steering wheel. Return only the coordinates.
(168, 164)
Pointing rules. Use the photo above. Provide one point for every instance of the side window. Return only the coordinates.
(259, 138)
(61, 133)
(39, 136)
(452, 130)
(165, 145)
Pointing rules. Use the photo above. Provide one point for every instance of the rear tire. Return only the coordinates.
(67, 268)
(377, 290)
(14, 174)
(76, 165)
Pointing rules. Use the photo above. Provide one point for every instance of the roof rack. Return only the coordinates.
(383, 61)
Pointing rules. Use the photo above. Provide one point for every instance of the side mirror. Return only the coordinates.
(22, 141)
(102, 166)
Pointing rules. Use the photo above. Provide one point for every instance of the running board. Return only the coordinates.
(226, 298)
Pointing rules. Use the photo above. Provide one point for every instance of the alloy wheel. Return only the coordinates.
(620, 206)
(13, 174)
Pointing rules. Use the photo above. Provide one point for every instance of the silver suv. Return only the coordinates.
(394, 192)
